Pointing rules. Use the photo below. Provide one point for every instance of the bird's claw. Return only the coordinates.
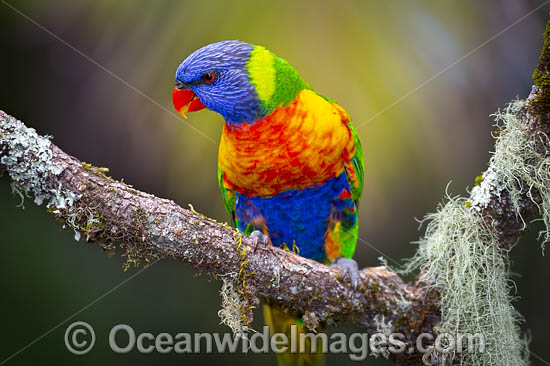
(348, 269)
(259, 237)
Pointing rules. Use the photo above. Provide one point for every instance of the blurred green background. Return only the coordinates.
(364, 54)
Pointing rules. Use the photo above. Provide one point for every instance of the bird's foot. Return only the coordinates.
(348, 269)
(259, 237)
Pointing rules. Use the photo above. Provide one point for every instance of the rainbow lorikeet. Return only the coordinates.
(290, 164)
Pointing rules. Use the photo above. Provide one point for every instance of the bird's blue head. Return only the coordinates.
(240, 81)
(217, 75)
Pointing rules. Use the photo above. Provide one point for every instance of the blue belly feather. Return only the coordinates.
(294, 216)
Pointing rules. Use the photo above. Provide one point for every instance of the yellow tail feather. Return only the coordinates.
(280, 321)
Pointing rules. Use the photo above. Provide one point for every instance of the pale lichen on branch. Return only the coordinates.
(146, 227)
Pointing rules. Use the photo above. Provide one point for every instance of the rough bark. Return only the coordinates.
(535, 117)
(147, 227)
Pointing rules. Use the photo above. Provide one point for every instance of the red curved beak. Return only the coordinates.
(186, 101)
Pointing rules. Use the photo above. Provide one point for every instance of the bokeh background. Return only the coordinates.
(367, 55)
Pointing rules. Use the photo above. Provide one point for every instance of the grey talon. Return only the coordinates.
(257, 236)
(348, 269)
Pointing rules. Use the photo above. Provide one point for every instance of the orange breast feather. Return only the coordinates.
(300, 145)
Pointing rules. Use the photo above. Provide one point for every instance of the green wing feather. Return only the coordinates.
(343, 225)
(228, 196)
(358, 164)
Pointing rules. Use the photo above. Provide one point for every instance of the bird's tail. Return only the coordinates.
(307, 350)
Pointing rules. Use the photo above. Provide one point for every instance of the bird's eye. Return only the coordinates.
(179, 85)
(208, 77)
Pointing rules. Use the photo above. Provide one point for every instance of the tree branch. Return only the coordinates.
(147, 227)
(498, 210)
